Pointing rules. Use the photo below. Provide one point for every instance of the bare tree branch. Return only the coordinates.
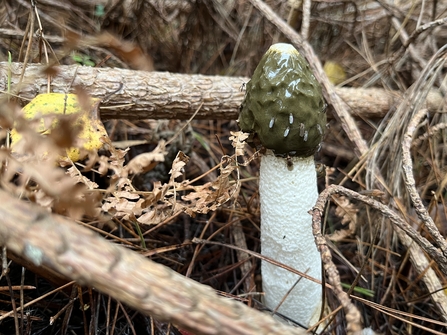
(163, 95)
(82, 255)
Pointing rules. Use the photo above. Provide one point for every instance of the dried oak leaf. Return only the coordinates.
(177, 166)
(211, 196)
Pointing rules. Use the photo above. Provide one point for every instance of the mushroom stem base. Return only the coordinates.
(286, 195)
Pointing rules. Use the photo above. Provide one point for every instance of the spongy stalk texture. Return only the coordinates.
(286, 236)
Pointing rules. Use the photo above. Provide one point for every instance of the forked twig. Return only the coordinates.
(388, 143)
(352, 314)
(318, 210)
(423, 28)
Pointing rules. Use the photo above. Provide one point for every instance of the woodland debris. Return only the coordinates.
(80, 254)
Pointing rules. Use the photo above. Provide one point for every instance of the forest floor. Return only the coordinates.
(159, 182)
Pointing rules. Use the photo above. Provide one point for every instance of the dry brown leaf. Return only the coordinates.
(146, 161)
(130, 52)
(42, 199)
(42, 181)
(147, 218)
(211, 196)
(147, 207)
(127, 195)
(177, 166)
(122, 208)
(79, 178)
(115, 163)
(154, 216)
(348, 214)
(237, 139)
(163, 202)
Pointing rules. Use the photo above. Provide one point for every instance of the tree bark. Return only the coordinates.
(131, 95)
(55, 242)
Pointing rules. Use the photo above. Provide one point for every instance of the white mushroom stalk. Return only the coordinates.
(286, 236)
(284, 111)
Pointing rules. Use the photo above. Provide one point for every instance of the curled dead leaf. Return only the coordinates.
(146, 161)
(177, 166)
(237, 139)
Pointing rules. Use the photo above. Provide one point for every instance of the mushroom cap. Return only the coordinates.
(283, 106)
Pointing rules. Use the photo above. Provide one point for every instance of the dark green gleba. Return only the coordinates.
(284, 109)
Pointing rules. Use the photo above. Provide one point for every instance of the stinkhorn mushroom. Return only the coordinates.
(284, 111)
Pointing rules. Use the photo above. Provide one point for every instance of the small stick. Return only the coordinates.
(410, 184)
(306, 19)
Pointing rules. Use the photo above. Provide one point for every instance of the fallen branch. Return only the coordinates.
(163, 95)
(80, 254)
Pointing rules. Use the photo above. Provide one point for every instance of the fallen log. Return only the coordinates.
(66, 248)
(131, 95)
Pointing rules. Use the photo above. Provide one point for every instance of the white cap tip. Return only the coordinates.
(283, 48)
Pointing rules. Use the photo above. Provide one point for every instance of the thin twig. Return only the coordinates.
(423, 28)
(353, 317)
(415, 34)
(388, 143)
(410, 184)
(434, 253)
(258, 255)
(431, 132)
(306, 19)
(352, 314)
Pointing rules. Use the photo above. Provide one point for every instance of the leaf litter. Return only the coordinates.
(38, 170)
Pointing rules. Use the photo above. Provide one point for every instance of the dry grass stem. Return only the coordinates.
(331, 270)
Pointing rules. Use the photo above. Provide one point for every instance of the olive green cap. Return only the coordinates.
(284, 107)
